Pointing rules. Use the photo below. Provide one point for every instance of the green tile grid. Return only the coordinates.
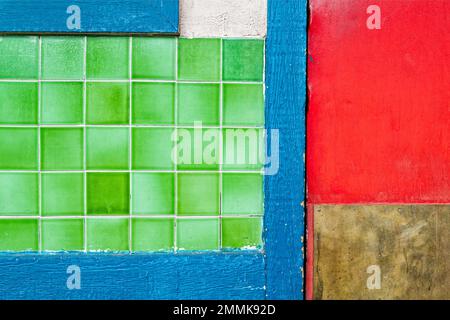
(92, 137)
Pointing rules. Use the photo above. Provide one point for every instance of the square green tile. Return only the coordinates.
(108, 103)
(19, 194)
(243, 149)
(153, 103)
(107, 148)
(243, 60)
(152, 149)
(153, 193)
(243, 105)
(63, 235)
(108, 193)
(199, 103)
(62, 148)
(19, 57)
(242, 193)
(62, 58)
(107, 234)
(240, 233)
(199, 59)
(152, 234)
(198, 234)
(18, 149)
(198, 149)
(198, 194)
(19, 235)
(61, 103)
(154, 58)
(62, 194)
(107, 58)
(18, 103)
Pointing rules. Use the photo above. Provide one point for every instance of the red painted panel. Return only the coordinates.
(379, 112)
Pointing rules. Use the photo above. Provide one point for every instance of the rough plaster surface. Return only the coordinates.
(223, 18)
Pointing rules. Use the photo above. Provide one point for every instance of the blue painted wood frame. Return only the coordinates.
(275, 273)
(96, 16)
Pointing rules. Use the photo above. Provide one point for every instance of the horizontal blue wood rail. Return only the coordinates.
(89, 16)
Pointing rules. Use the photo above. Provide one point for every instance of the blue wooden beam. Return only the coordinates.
(89, 16)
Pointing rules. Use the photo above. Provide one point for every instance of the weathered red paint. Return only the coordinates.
(379, 110)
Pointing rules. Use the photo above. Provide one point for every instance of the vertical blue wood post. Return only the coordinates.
(285, 110)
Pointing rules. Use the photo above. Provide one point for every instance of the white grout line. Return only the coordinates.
(175, 158)
(140, 216)
(84, 143)
(221, 146)
(132, 80)
(39, 144)
(126, 126)
(138, 171)
(130, 147)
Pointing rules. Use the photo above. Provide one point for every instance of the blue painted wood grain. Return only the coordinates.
(146, 276)
(285, 111)
(97, 16)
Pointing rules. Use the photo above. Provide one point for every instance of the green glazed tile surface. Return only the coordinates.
(243, 60)
(199, 59)
(62, 58)
(242, 193)
(154, 103)
(198, 103)
(198, 194)
(107, 58)
(18, 149)
(19, 57)
(154, 58)
(243, 105)
(18, 103)
(19, 235)
(108, 193)
(108, 103)
(107, 148)
(62, 148)
(153, 193)
(244, 149)
(62, 194)
(153, 234)
(63, 235)
(198, 234)
(61, 103)
(152, 149)
(19, 194)
(107, 234)
(241, 232)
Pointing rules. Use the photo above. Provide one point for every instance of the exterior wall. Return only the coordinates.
(223, 18)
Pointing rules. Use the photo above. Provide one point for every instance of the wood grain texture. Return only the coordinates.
(285, 111)
(97, 16)
(154, 276)
(410, 244)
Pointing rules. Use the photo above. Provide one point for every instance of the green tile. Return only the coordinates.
(243, 105)
(19, 57)
(18, 149)
(198, 149)
(241, 232)
(108, 193)
(62, 58)
(18, 103)
(153, 193)
(107, 234)
(154, 58)
(153, 234)
(19, 235)
(198, 194)
(243, 60)
(198, 234)
(108, 103)
(19, 194)
(63, 235)
(61, 103)
(62, 148)
(107, 58)
(242, 193)
(62, 194)
(198, 103)
(153, 103)
(199, 59)
(243, 149)
(152, 149)
(107, 148)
